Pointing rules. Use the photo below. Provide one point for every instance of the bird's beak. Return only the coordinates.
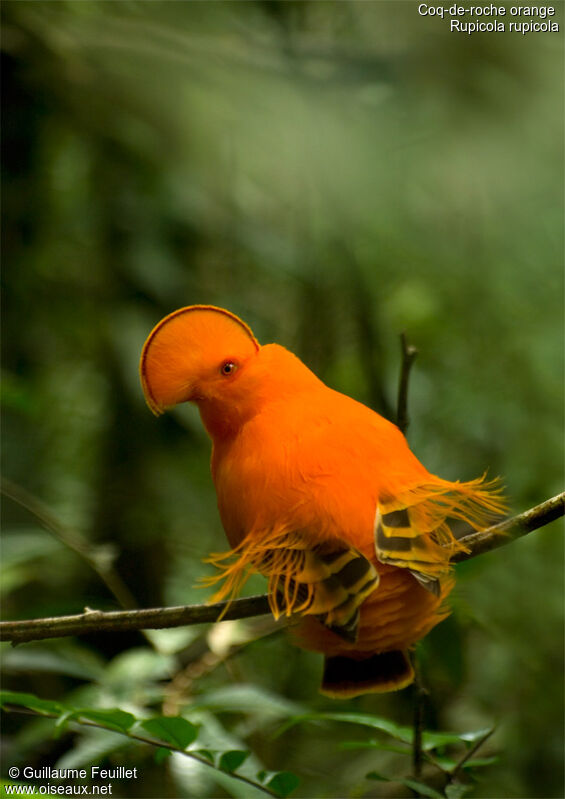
(154, 407)
(158, 406)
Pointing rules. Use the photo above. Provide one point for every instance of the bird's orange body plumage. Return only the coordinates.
(319, 493)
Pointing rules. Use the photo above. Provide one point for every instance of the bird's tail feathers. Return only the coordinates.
(346, 677)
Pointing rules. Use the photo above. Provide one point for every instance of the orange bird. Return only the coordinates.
(318, 493)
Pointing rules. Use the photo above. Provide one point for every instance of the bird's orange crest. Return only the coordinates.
(184, 342)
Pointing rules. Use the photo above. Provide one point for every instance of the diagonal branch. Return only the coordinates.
(100, 558)
(509, 530)
(95, 621)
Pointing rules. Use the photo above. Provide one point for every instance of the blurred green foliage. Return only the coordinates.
(335, 173)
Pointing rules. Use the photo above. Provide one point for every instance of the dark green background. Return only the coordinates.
(335, 173)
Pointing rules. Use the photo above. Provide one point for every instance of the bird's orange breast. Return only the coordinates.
(327, 493)
(302, 466)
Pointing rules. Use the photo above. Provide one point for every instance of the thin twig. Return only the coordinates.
(420, 694)
(159, 618)
(409, 354)
(177, 691)
(98, 558)
(509, 530)
(454, 773)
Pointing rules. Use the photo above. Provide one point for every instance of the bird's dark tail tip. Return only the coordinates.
(345, 677)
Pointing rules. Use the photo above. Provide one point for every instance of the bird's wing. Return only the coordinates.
(398, 543)
(412, 530)
(329, 581)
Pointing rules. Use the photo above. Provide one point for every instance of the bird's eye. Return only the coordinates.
(228, 368)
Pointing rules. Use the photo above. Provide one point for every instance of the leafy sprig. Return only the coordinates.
(167, 734)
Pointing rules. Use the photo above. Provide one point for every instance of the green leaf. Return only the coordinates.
(232, 760)
(430, 740)
(433, 739)
(113, 719)
(30, 701)
(168, 642)
(471, 737)
(456, 790)
(403, 734)
(481, 762)
(373, 744)
(248, 699)
(450, 763)
(61, 657)
(162, 754)
(374, 775)
(92, 746)
(231, 786)
(173, 729)
(421, 788)
(63, 720)
(207, 754)
(138, 667)
(23, 544)
(283, 783)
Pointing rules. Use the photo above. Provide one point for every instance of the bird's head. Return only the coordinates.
(196, 354)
